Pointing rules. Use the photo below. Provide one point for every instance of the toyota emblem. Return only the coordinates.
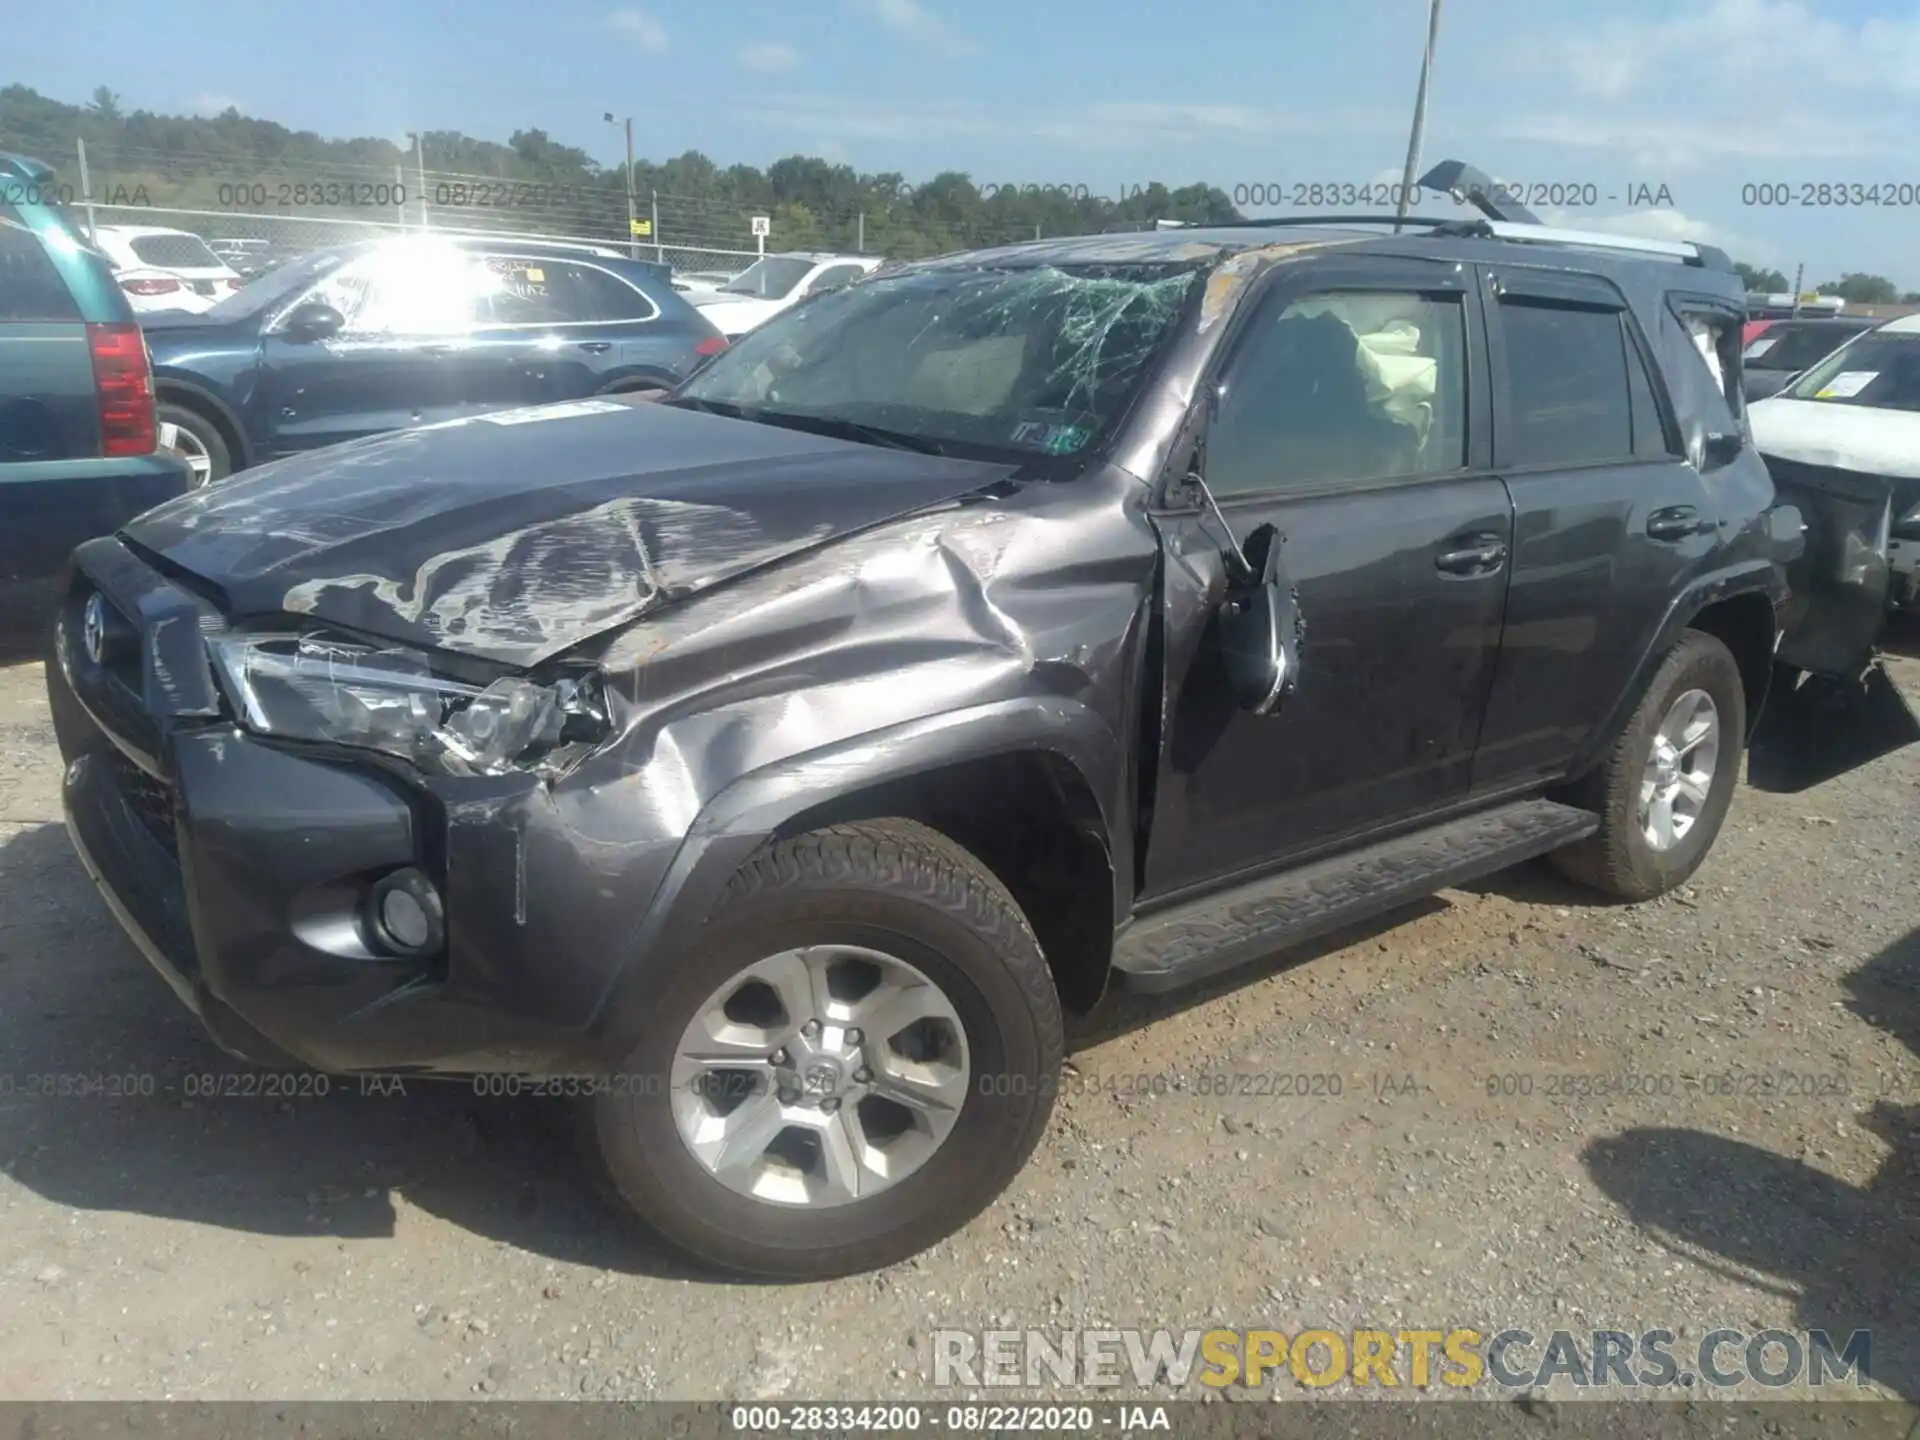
(94, 629)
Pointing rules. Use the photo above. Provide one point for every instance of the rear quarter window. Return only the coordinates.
(174, 252)
(31, 285)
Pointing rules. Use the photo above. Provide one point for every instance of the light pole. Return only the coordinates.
(420, 171)
(633, 240)
(1419, 117)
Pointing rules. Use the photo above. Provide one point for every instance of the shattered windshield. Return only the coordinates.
(1880, 371)
(1039, 360)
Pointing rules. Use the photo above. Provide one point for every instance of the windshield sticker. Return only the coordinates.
(1054, 439)
(567, 411)
(1846, 384)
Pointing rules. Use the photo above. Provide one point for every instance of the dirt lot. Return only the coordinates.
(1478, 1166)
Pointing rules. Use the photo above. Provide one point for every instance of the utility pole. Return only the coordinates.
(1799, 278)
(1419, 135)
(420, 169)
(633, 215)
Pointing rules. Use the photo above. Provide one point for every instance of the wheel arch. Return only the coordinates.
(171, 390)
(1741, 602)
(1052, 765)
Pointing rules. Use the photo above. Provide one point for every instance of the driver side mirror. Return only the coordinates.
(314, 320)
(1261, 627)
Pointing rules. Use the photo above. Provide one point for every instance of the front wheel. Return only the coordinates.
(1664, 789)
(859, 1058)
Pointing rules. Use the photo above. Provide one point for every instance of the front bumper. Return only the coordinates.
(242, 867)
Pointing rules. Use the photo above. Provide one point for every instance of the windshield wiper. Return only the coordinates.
(834, 426)
(711, 407)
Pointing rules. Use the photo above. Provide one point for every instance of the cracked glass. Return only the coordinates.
(1039, 360)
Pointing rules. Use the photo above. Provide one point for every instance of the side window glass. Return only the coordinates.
(347, 290)
(31, 287)
(406, 290)
(1342, 387)
(1567, 384)
(601, 296)
(520, 291)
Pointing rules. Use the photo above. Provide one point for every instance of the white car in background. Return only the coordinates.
(774, 283)
(1846, 433)
(162, 269)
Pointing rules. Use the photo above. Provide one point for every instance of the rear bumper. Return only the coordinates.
(54, 505)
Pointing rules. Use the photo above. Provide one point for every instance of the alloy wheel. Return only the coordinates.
(1680, 767)
(820, 1076)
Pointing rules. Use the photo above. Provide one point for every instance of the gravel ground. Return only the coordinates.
(1759, 1165)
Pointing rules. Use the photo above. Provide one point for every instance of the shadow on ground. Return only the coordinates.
(1851, 1255)
(82, 1010)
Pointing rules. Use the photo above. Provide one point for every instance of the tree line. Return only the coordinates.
(184, 160)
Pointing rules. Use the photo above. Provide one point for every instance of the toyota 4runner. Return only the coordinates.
(774, 764)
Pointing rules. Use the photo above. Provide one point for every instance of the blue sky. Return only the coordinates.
(1701, 96)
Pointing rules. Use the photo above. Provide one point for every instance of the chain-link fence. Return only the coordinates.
(294, 206)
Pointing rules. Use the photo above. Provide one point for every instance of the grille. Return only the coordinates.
(150, 799)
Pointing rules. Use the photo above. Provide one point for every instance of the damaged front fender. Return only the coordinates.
(1005, 628)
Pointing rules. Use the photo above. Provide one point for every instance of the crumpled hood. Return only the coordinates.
(515, 535)
(1841, 437)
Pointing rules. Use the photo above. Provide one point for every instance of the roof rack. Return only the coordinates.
(1336, 221)
(1708, 257)
(1688, 252)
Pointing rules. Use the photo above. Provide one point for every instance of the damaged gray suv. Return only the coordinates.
(771, 766)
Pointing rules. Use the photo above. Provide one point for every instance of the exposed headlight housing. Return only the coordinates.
(316, 687)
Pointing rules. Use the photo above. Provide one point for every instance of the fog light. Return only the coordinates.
(406, 913)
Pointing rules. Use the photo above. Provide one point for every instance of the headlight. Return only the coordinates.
(310, 687)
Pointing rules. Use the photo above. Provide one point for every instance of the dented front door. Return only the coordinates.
(1343, 420)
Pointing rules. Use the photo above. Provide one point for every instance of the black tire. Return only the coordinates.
(204, 431)
(890, 885)
(1619, 859)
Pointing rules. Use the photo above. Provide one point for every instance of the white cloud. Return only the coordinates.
(915, 22)
(770, 58)
(1725, 79)
(211, 102)
(1124, 127)
(640, 30)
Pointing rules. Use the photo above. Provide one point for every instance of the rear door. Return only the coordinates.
(1610, 518)
(550, 329)
(1352, 416)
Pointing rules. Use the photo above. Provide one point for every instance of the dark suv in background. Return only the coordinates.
(1778, 350)
(408, 331)
(77, 428)
(771, 766)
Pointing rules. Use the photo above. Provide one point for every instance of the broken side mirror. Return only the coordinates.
(1260, 627)
(1721, 447)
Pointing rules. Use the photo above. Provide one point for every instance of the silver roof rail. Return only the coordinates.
(1554, 234)
(1687, 252)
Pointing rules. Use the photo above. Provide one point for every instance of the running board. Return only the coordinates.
(1217, 932)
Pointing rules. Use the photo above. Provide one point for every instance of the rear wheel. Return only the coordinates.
(195, 439)
(1664, 790)
(860, 1058)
